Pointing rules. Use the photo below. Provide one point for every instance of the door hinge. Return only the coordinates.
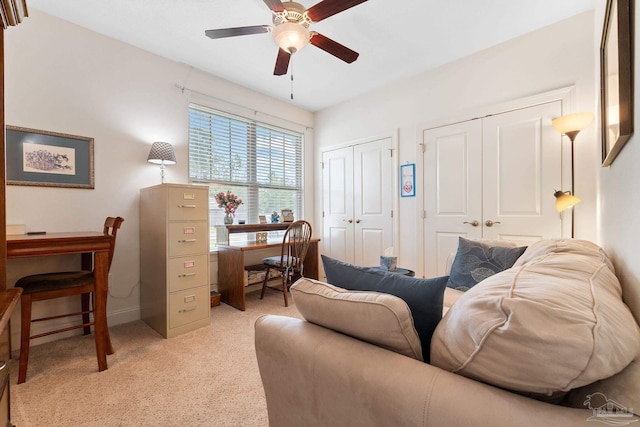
(322, 214)
(390, 152)
(322, 165)
(424, 214)
(423, 147)
(391, 213)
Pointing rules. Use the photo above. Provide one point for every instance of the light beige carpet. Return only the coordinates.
(208, 377)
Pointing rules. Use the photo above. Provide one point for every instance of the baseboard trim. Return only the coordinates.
(123, 316)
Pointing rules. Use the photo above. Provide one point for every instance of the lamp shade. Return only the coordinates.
(572, 122)
(162, 154)
(290, 36)
(565, 200)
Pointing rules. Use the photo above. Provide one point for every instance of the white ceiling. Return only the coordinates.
(395, 39)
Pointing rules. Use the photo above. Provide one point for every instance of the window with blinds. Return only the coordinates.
(259, 163)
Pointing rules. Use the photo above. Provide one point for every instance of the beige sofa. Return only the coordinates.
(316, 376)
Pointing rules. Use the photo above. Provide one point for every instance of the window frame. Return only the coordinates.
(251, 209)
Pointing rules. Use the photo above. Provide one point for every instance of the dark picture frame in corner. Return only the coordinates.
(616, 78)
(48, 159)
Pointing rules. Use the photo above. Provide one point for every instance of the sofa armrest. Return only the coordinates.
(314, 376)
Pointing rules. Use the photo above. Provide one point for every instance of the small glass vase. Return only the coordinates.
(228, 219)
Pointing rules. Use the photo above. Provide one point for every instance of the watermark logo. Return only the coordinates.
(609, 411)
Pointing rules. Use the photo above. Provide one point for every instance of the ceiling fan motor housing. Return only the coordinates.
(291, 32)
(293, 12)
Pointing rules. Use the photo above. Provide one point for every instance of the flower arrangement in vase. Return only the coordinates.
(230, 203)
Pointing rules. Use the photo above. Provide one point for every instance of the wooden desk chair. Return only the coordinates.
(46, 286)
(291, 260)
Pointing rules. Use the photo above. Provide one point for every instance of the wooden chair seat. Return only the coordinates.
(45, 286)
(54, 281)
(276, 261)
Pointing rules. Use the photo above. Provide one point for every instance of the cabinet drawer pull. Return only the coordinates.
(187, 309)
(186, 241)
(186, 275)
(3, 364)
(187, 206)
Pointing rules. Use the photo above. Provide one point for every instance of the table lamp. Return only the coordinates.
(162, 154)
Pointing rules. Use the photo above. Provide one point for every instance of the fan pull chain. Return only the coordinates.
(291, 68)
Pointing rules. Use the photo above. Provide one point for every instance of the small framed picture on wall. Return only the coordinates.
(408, 180)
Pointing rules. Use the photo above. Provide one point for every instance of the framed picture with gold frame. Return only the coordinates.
(616, 78)
(49, 159)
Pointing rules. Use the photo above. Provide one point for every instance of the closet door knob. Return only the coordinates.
(490, 223)
(474, 223)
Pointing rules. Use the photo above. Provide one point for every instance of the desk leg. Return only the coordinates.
(87, 265)
(311, 270)
(101, 329)
(231, 277)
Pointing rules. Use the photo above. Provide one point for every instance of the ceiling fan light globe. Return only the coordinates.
(290, 36)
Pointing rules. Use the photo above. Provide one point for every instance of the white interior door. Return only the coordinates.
(491, 178)
(337, 200)
(452, 190)
(358, 199)
(373, 200)
(521, 171)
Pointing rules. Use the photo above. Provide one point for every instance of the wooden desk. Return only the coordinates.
(231, 268)
(85, 243)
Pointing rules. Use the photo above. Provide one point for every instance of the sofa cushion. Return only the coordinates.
(423, 296)
(476, 260)
(374, 317)
(553, 322)
(621, 388)
(450, 297)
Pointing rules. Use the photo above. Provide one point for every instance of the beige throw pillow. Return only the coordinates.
(380, 319)
(553, 322)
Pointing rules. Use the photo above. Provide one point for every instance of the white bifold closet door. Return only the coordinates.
(358, 202)
(491, 178)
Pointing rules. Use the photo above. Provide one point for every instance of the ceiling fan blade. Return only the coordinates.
(327, 8)
(238, 31)
(282, 63)
(334, 48)
(275, 5)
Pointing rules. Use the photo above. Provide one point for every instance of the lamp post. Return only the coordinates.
(570, 125)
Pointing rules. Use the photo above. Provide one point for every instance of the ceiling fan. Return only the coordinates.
(290, 30)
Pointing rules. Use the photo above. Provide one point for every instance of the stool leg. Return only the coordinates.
(264, 282)
(84, 298)
(109, 345)
(285, 281)
(25, 332)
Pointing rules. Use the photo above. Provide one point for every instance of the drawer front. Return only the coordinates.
(189, 306)
(188, 272)
(187, 238)
(188, 204)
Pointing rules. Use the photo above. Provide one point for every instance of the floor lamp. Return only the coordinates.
(570, 125)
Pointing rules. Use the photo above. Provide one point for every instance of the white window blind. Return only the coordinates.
(260, 163)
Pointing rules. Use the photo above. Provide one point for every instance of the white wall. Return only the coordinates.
(619, 201)
(554, 57)
(63, 78)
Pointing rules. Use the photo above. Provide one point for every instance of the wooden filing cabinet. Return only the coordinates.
(174, 258)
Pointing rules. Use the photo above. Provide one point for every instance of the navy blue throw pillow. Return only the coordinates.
(424, 297)
(475, 261)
